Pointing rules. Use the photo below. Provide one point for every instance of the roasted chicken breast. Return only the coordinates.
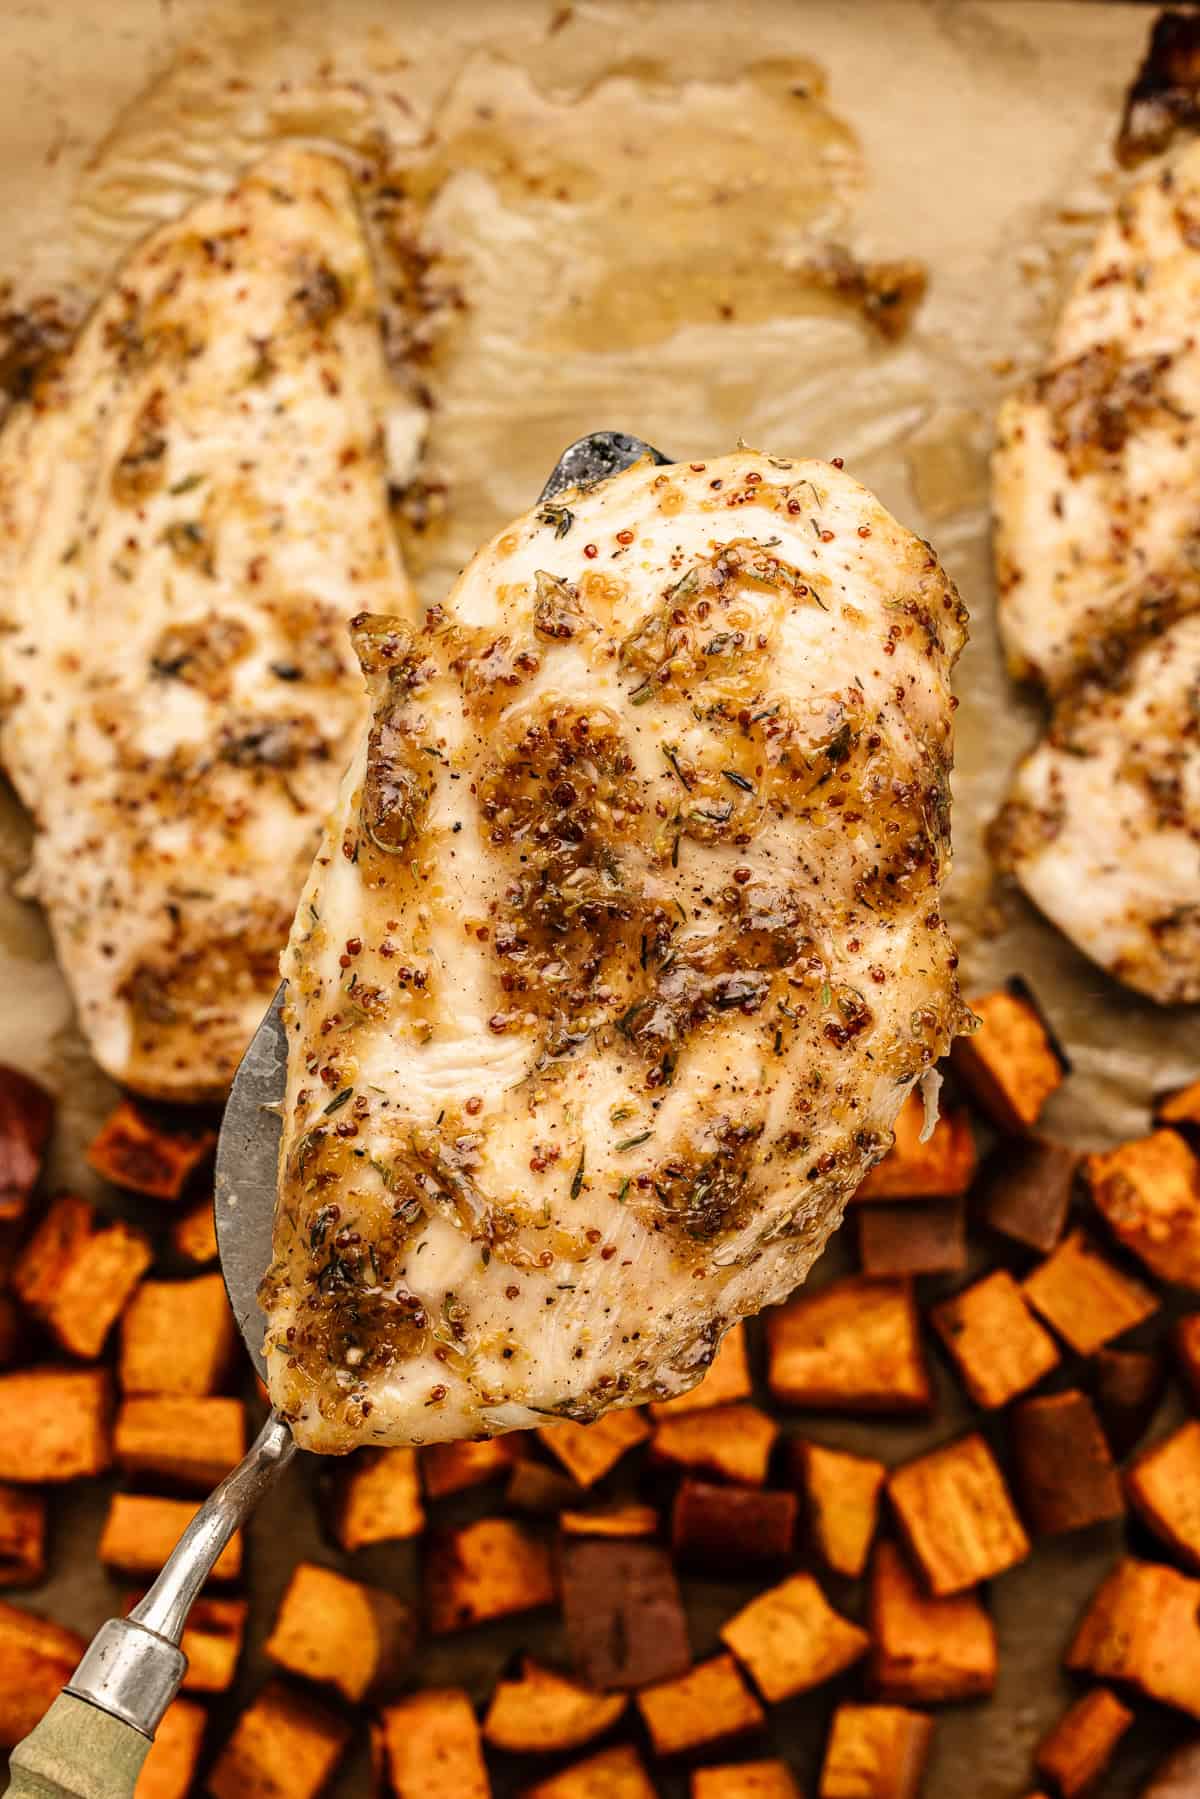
(620, 956)
(191, 508)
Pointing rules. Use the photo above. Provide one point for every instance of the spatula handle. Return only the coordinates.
(78, 1752)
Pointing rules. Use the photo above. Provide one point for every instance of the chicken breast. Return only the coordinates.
(621, 955)
(190, 511)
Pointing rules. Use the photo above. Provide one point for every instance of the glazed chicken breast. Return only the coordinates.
(1096, 478)
(620, 956)
(191, 509)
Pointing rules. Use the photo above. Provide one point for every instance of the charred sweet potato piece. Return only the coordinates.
(26, 1119)
(428, 1747)
(630, 1520)
(875, 1752)
(1062, 1467)
(453, 1467)
(178, 1337)
(996, 1343)
(543, 1713)
(1076, 1751)
(1024, 1190)
(733, 1442)
(77, 1272)
(140, 1532)
(378, 1498)
(623, 1612)
(727, 1380)
(917, 1236)
(790, 1639)
(1164, 1487)
(854, 1346)
(37, 1658)
(590, 1451)
(1187, 1350)
(133, 1151)
(22, 1537)
(745, 1780)
(926, 1651)
(194, 1442)
(285, 1745)
(954, 1510)
(1127, 1385)
(194, 1234)
(486, 1570)
(1143, 1628)
(842, 1494)
(709, 1704)
(169, 1770)
(1148, 1193)
(613, 1774)
(12, 1332)
(941, 1168)
(541, 1491)
(341, 1633)
(1011, 1065)
(730, 1527)
(1083, 1297)
(55, 1424)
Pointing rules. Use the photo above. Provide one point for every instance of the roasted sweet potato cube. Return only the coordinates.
(453, 1467)
(355, 1638)
(942, 1168)
(624, 1616)
(727, 1380)
(613, 1774)
(730, 1527)
(169, 1769)
(1187, 1349)
(194, 1442)
(589, 1451)
(1062, 1467)
(1011, 1065)
(178, 1337)
(487, 1570)
(37, 1658)
(378, 1498)
(543, 1713)
(1148, 1193)
(1164, 1486)
(1076, 1751)
(1181, 1106)
(790, 1639)
(630, 1520)
(996, 1343)
(1127, 1385)
(842, 1495)
(1178, 1777)
(855, 1346)
(26, 1118)
(541, 1491)
(1143, 1627)
(745, 1780)
(140, 1532)
(76, 1273)
(1084, 1297)
(212, 1642)
(284, 1746)
(428, 1747)
(956, 1515)
(55, 1424)
(875, 1752)
(917, 1236)
(1024, 1190)
(194, 1234)
(926, 1651)
(734, 1442)
(132, 1150)
(709, 1704)
(22, 1537)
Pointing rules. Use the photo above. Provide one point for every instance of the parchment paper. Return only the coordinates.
(615, 214)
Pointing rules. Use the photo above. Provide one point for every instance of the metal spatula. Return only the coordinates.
(95, 1737)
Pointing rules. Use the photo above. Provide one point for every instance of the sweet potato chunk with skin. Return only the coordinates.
(37, 1658)
(590, 1451)
(1164, 1486)
(379, 1498)
(941, 1168)
(1024, 1191)
(1080, 1746)
(624, 1616)
(926, 1651)
(790, 1639)
(140, 1532)
(956, 1515)
(1084, 1297)
(26, 1118)
(76, 1273)
(613, 1774)
(1187, 1348)
(1127, 1385)
(996, 1343)
(453, 1467)
(1143, 1627)
(194, 1234)
(169, 1769)
(842, 1492)
(488, 1570)
(1062, 1466)
(734, 1442)
(746, 1780)
(132, 1151)
(284, 1746)
(22, 1537)
(630, 1520)
(542, 1713)
(192, 1441)
(727, 1380)
(915, 1237)
(711, 1703)
(1148, 1193)
(428, 1747)
(714, 1526)
(55, 1424)
(178, 1337)
(342, 1633)
(875, 1752)
(855, 1346)
(1011, 1066)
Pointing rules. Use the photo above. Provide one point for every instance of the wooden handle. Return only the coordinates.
(77, 1752)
